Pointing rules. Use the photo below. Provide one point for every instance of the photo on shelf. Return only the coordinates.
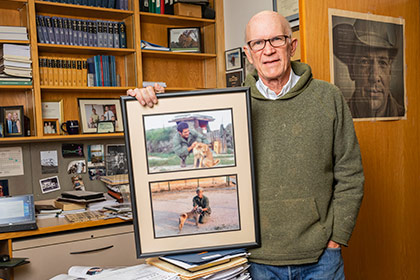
(189, 140)
(184, 39)
(94, 111)
(4, 188)
(165, 216)
(49, 184)
(116, 160)
(234, 79)
(1, 131)
(13, 121)
(195, 206)
(51, 126)
(53, 109)
(49, 162)
(233, 59)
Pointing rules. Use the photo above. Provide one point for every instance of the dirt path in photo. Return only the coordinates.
(167, 206)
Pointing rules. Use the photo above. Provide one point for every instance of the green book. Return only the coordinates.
(15, 83)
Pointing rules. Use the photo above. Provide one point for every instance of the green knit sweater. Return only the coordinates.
(309, 175)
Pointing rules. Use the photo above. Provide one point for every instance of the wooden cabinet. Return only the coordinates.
(180, 71)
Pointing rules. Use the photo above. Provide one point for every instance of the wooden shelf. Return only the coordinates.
(81, 10)
(35, 139)
(7, 87)
(14, 42)
(46, 49)
(169, 89)
(12, 4)
(173, 20)
(177, 54)
(86, 89)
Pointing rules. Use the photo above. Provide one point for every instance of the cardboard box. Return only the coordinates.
(188, 10)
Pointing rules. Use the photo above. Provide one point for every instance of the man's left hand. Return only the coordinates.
(332, 244)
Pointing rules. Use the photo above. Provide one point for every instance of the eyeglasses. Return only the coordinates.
(275, 42)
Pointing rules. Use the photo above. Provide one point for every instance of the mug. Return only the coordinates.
(72, 127)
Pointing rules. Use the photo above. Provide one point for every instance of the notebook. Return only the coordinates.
(17, 213)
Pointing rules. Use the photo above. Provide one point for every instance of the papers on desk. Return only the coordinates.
(137, 272)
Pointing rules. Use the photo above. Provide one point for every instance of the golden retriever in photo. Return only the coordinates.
(193, 214)
(203, 157)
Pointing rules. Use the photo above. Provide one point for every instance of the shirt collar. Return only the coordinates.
(269, 94)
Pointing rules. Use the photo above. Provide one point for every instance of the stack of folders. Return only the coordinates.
(80, 32)
(15, 64)
(112, 4)
(214, 265)
(16, 33)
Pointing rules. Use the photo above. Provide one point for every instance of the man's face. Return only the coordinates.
(271, 63)
(185, 133)
(200, 194)
(9, 116)
(372, 75)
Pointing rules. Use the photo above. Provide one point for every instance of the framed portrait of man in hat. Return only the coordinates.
(367, 63)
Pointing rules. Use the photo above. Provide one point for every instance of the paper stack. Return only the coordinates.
(15, 33)
(214, 265)
(117, 186)
(15, 65)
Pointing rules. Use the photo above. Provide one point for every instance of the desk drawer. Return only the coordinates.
(48, 260)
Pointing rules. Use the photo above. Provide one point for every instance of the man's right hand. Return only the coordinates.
(146, 96)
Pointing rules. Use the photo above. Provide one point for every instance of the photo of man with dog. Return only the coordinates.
(182, 207)
(189, 140)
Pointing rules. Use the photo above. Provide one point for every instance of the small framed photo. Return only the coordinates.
(53, 109)
(184, 39)
(1, 130)
(95, 111)
(106, 127)
(13, 121)
(51, 126)
(49, 184)
(233, 59)
(4, 187)
(234, 79)
(191, 172)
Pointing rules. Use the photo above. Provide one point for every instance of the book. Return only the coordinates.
(79, 73)
(13, 36)
(15, 83)
(113, 75)
(13, 29)
(90, 72)
(82, 194)
(84, 72)
(115, 179)
(116, 35)
(150, 46)
(123, 37)
(66, 206)
(50, 30)
(110, 34)
(144, 5)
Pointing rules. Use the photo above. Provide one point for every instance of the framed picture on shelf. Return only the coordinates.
(13, 121)
(184, 39)
(51, 126)
(1, 130)
(52, 109)
(233, 59)
(170, 179)
(234, 79)
(94, 111)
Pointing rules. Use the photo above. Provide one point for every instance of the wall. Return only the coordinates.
(237, 14)
(385, 243)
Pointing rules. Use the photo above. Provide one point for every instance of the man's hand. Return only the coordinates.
(332, 244)
(146, 96)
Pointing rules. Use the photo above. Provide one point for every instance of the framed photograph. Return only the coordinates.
(191, 172)
(359, 42)
(4, 188)
(106, 127)
(51, 126)
(53, 109)
(13, 121)
(233, 59)
(49, 162)
(49, 184)
(94, 111)
(116, 159)
(234, 79)
(184, 39)
(1, 130)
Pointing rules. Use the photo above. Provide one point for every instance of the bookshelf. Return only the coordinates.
(180, 71)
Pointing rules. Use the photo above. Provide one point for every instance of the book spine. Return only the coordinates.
(50, 72)
(73, 72)
(123, 37)
(69, 31)
(60, 70)
(84, 72)
(90, 72)
(61, 30)
(40, 35)
(113, 71)
(44, 29)
(68, 70)
(79, 33)
(162, 6)
(157, 3)
(41, 71)
(79, 73)
(110, 34)
(144, 5)
(66, 31)
(102, 71)
(15, 83)
(116, 35)
(105, 33)
(75, 33)
(95, 33)
(85, 32)
(100, 34)
(56, 30)
(97, 64)
(55, 71)
(111, 4)
(65, 73)
(50, 30)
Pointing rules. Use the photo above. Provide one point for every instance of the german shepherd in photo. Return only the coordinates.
(203, 157)
(193, 214)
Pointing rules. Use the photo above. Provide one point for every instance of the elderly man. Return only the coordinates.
(368, 48)
(309, 174)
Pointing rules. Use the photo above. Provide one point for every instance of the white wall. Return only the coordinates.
(237, 14)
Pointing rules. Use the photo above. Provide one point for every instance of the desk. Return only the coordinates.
(58, 244)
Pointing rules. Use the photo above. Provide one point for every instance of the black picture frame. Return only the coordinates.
(233, 59)
(157, 232)
(14, 128)
(185, 39)
(234, 78)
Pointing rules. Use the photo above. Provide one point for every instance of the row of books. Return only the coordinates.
(157, 6)
(15, 64)
(112, 4)
(61, 71)
(79, 32)
(17, 33)
(102, 71)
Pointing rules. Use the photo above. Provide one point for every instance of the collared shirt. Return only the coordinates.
(269, 94)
